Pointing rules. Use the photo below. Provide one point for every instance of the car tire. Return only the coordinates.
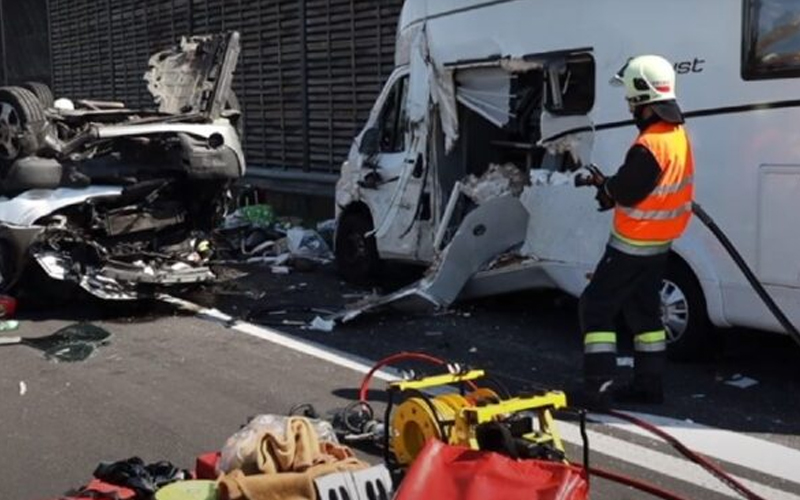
(20, 109)
(42, 93)
(357, 258)
(690, 334)
(9, 267)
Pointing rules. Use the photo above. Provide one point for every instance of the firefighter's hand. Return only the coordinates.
(592, 177)
(604, 201)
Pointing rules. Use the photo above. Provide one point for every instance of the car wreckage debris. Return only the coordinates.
(123, 201)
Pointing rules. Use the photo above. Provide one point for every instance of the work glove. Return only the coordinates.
(592, 177)
(604, 200)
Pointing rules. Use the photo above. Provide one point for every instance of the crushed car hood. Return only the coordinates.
(30, 206)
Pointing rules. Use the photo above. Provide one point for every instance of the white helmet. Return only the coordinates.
(647, 79)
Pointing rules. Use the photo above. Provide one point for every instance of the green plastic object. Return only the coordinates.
(189, 490)
(9, 325)
(258, 215)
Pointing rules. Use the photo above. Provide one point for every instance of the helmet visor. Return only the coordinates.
(618, 80)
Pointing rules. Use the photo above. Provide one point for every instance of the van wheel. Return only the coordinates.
(690, 334)
(357, 257)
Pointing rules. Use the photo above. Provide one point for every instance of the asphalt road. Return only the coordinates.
(170, 386)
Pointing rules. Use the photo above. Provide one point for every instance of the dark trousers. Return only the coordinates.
(627, 284)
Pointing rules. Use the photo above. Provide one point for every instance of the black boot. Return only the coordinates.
(645, 389)
(595, 395)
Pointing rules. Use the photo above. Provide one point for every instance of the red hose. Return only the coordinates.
(695, 457)
(636, 483)
(363, 396)
(363, 393)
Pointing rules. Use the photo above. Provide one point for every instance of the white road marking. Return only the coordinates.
(619, 449)
(753, 453)
(334, 356)
(662, 463)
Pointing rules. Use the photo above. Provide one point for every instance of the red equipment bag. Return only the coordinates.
(448, 472)
(99, 490)
(206, 466)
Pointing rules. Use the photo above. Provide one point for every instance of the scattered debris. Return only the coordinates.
(280, 270)
(8, 306)
(322, 325)
(473, 350)
(23, 388)
(9, 325)
(551, 178)
(741, 381)
(308, 244)
(499, 180)
(70, 344)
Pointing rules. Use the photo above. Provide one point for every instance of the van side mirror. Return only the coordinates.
(370, 142)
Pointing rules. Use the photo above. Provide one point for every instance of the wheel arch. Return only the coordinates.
(704, 272)
(355, 207)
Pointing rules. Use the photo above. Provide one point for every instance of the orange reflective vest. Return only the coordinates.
(663, 216)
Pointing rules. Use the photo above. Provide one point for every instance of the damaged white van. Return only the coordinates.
(466, 162)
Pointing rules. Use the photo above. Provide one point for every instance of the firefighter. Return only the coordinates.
(651, 196)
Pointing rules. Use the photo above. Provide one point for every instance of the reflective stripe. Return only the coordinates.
(640, 243)
(600, 343)
(600, 348)
(600, 338)
(674, 188)
(651, 342)
(659, 347)
(652, 337)
(626, 247)
(637, 214)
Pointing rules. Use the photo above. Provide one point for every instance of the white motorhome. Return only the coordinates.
(481, 87)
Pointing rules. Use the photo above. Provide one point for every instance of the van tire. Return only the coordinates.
(357, 259)
(683, 305)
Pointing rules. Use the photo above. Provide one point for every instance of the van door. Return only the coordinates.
(394, 172)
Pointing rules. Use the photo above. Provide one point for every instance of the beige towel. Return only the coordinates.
(289, 466)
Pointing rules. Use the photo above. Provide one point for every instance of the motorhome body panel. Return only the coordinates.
(738, 127)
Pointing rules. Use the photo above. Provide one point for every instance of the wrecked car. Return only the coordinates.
(467, 161)
(117, 200)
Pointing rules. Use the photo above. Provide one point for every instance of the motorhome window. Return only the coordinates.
(393, 121)
(771, 41)
(571, 85)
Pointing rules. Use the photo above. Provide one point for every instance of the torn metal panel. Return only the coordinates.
(420, 78)
(572, 134)
(544, 200)
(444, 97)
(488, 231)
(491, 229)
